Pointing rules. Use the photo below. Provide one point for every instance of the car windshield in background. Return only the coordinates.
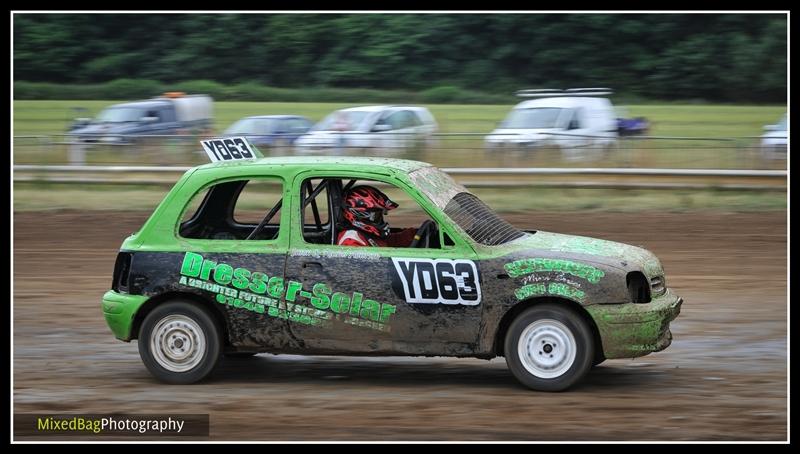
(479, 221)
(120, 114)
(782, 125)
(537, 118)
(342, 121)
(249, 126)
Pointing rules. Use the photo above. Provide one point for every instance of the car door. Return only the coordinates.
(380, 299)
(222, 260)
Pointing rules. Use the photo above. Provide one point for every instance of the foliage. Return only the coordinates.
(714, 57)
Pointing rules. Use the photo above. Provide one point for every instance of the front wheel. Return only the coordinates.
(549, 348)
(180, 342)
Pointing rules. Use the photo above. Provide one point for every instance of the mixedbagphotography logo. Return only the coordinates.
(116, 425)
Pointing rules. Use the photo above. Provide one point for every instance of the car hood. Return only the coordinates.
(322, 137)
(103, 128)
(586, 249)
(522, 134)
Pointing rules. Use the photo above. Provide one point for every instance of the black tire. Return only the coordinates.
(174, 319)
(554, 325)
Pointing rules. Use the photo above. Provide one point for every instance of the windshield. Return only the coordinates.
(536, 118)
(250, 126)
(342, 121)
(120, 114)
(479, 221)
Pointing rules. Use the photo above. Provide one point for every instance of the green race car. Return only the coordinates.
(201, 280)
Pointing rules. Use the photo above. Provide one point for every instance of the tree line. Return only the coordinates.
(714, 57)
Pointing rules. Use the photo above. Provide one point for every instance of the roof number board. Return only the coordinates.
(228, 149)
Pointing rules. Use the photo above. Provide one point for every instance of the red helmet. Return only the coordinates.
(364, 207)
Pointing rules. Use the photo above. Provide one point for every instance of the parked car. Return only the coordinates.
(571, 118)
(775, 142)
(270, 130)
(216, 282)
(172, 113)
(371, 127)
(631, 126)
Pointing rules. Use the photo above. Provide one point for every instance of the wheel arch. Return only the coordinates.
(157, 300)
(514, 311)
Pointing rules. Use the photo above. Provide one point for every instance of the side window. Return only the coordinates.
(394, 121)
(266, 127)
(576, 119)
(414, 119)
(317, 227)
(235, 210)
(296, 125)
(166, 115)
(368, 226)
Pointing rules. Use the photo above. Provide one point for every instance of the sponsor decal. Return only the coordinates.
(553, 288)
(280, 298)
(527, 266)
(442, 281)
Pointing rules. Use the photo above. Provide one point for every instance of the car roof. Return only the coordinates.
(144, 104)
(561, 101)
(320, 162)
(379, 108)
(273, 117)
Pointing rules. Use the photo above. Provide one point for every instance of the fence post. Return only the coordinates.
(77, 154)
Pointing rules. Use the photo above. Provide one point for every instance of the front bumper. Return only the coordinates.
(119, 310)
(630, 330)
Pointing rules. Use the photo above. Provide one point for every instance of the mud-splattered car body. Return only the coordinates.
(458, 297)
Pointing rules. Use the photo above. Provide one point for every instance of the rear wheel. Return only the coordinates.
(180, 342)
(549, 348)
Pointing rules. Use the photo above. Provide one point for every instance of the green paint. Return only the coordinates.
(534, 265)
(119, 310)
(275, 287)
(530, 290)
(282, 299)
(258, 282)
(321, 298)
(240, 278)
(292, 289)
(630, 330)
(340, 303)
(567, 291)
(223, 274)
(553, 288)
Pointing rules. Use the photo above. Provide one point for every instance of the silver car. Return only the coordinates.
(389, 127)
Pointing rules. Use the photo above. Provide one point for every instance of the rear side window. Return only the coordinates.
(232, 210)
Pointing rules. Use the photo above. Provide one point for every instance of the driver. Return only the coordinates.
(363, 210)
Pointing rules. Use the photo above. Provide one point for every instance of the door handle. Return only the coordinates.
(311, 265)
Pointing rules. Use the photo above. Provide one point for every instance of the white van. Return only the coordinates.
(578, 117)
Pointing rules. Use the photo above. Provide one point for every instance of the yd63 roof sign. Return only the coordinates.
(230, 149)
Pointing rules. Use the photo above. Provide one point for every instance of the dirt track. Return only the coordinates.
(723, 378)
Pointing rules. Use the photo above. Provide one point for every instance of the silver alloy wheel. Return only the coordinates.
(547, 348)
(177, 343)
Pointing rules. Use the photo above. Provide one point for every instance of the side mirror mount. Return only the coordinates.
(149, 119)
(381, 127)
(81, 122)
(573, 125)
